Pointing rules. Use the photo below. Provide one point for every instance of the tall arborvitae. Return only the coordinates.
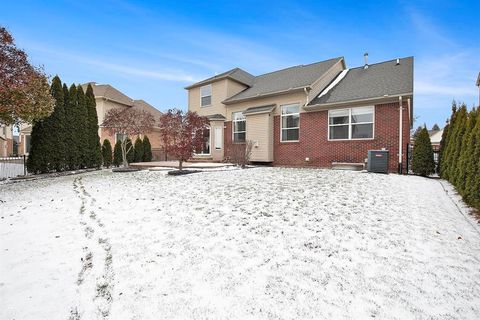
(472, 183)
(130, 151)
(82, 128)
(37, 161)
(107, 153)
(447, 151)
(94, 158)
(422, 163)
(443, 143)
(458, 133)
(71, 130)
(55, 124)
(138, 157)
(117, 154)
(460, 176)
(47, 147)
(147, 150)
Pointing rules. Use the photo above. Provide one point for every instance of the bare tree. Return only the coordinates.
(241, 153)
(128, 123)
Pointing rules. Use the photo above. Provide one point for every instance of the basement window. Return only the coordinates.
(351, 123)
(290, 122)
(206, 95)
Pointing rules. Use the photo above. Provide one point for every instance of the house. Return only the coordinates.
(6, 141)
(309, 115)
(107, 97)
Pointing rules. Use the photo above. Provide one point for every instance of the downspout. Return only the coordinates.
(306, 93)
(400, 136)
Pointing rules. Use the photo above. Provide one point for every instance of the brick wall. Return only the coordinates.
(313, 142)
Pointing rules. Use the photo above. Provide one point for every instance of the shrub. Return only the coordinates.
(423, 163)
(138, 154)
(240, 154)
(107, 153)
(147, 150)
(117, 154)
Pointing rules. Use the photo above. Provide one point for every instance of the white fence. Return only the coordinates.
(11, 167)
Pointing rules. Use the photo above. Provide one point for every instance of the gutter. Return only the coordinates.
(289, 90)
(341, 103)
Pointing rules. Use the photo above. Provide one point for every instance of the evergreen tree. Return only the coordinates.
(138, 157)
(130, 151)
(107, 153)
(94, 156)
(423, 163)
(72, 127)
(37, 161)
(117, 154)
(458, 133)
(472, 183)
(55, 125)
(82, 127)
(465, 152)
(147, 150)
(436, 127)
(443, 144)
(448, 144)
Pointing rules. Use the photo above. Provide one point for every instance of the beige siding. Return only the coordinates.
(296, 97)
(221, 90)
(260, 132)
(325, 80)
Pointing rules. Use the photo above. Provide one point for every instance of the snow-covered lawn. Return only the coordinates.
(261, 243)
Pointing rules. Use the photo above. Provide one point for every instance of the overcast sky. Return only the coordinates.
(151, 50)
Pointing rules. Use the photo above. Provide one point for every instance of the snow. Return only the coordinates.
(334, 83)
(259, 243)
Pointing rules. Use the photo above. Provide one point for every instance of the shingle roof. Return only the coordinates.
(282, 80)
(109, 92)
(236, 74)
(259, 109)
(216, 116)
(142, 105)
(378, 80)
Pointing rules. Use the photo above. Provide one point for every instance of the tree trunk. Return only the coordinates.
(180, 165)
(124, 153)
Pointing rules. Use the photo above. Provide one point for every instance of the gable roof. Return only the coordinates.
(293, 78)
(142, 105)
(236, 74)
(378, 80)
(109, 92)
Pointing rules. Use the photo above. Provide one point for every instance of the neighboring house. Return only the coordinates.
(24, 136)
(435, 139)
(6, 141)
(106, 98)
(309, 115)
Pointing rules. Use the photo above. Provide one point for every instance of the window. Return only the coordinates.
(351, 124)
(290, 122)
(239, 127)
(206, 95)
(205, 142)
(120, 137)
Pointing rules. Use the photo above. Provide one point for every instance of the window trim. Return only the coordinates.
(233, 127)
(349, 124)
(25, 144)
(210, 95)
(281, 122)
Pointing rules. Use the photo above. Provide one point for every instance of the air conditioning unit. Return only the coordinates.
(377, 161)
